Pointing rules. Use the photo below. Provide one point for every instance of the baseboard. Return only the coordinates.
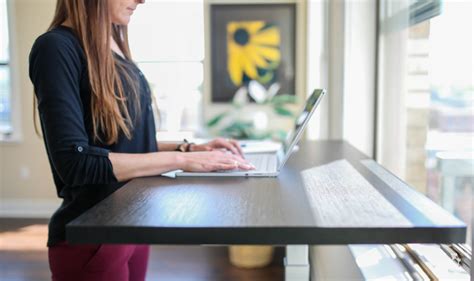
(28, 208)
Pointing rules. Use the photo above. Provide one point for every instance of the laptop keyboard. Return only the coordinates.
(262, 162)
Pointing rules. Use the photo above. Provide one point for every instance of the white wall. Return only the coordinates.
(26, 186)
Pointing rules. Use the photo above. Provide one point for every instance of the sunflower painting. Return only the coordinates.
(251, 42)
(253, 49)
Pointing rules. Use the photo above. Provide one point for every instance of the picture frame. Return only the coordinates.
(221, 79)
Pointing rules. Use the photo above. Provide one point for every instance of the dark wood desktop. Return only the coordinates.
(159, 210)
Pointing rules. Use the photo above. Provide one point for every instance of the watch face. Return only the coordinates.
(182, 147)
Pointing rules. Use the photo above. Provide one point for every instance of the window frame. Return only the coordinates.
(415, 13)
(423, 10)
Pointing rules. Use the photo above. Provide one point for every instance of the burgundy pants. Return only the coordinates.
(98, 262)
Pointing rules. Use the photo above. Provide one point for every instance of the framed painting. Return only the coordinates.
(251, 41)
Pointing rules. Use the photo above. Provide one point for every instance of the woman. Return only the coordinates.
(95, 111)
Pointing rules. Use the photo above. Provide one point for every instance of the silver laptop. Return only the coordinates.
(270, 164)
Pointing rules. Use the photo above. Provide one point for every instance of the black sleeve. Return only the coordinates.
(55, 70)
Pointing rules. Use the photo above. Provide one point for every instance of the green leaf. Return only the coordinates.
(283, 111)
(280, 135)
(216, 119)
(282, 99)
(260, 135)
(238, 130)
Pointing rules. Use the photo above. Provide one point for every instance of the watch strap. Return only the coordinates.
(185, 146)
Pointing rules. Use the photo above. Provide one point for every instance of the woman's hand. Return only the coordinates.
(219, 144)
(208, 161)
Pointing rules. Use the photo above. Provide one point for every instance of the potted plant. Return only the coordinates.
(233, 123)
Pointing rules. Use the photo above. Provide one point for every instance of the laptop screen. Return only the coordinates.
(301, 121)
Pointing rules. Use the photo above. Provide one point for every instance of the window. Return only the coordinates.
(427, 91)
(5, 94)
(450, 122)
(167, 42)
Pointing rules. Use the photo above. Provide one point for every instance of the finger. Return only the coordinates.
(222, 166)
(237, 146)
(229, 146)
(227, 157)
(239, 164)
(240, 159)
(213, 166)
(246, 167)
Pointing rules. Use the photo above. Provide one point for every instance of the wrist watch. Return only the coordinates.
(184, 147)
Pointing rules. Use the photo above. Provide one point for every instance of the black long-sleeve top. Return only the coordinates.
(82, 171)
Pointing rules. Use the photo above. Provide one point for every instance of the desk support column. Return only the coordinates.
(297, 263)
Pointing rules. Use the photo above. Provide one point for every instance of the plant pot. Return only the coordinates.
(250, 256)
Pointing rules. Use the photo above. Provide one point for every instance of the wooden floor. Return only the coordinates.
(23, 257)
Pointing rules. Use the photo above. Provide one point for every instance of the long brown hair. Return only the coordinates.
(91, 21)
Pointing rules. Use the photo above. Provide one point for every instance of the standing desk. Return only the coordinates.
(274, 211)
